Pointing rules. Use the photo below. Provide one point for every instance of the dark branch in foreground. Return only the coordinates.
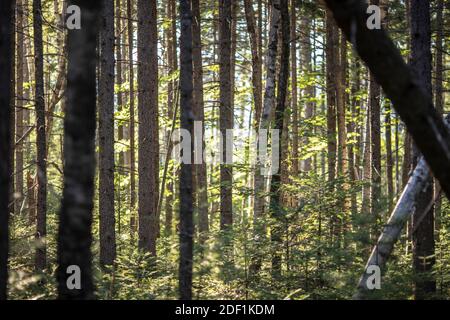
(410, 101)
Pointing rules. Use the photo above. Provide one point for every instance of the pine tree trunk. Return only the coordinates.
(308, 93)
(294, 92)
(130, 30)
(74, 235)
(264, 124)
(186, 174)
(19, 183)
(198, 106)
(106, 136)
(423, 228)
(256, 61)
(342, 128)
(148, 125)
(6, 33)
(119, 81)
(276, 208)
(439, 102)
(375, 138)
(226, 114)
(389, 158)
(41, 221)
(331, 63)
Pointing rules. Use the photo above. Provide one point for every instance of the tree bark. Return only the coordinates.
(41, 144)
(439, 101)
(130, 28)
(19, 183)
(74, 234)
(256, 61)
(308, 92)
(331, 63)
(186, 174)
(6, 33)
(264, 124)
(106, 136)
(198, 107)
(423, 229)
(226, 114)
(294, 92)
(276, 208)
(148, 125)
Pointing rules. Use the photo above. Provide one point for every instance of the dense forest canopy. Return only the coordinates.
(224, 149)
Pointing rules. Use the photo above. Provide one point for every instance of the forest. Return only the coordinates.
(224, 149)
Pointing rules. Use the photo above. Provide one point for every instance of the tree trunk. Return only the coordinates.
(74, 234)
(226, 114)
(106, 136)
(439, 101)
(119, 80)
(276, 208)
(423, 228)
(264, 124)
(41, 144)
(308, 93)
(186, 174)
(133, 225)
(341, 86)
(331, 63)
(6, 33)
(403, 211)
(256, 61)
(294, 92)
(375, 138)
(148, 125)
(19, 183)
(389, 158)
(198, 107)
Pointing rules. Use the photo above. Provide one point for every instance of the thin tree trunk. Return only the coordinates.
(389, 158)
(439, 102)
(148, 125)
(171, 105)
(342, 130)
(276, 209)
(106, 136)
(186, 174)
(6, 33)
(294, 93)
(19, 184)
(41, 222)
(331, 62)
(308, 93)
(226, 114)
(198, 107)
(375, 138)
(256, 61)
(31, 195)
(366, 170)
(264, 124)
(74, 234)
(133, 225)
(119, 80)
(12, 118)
(423, 229)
